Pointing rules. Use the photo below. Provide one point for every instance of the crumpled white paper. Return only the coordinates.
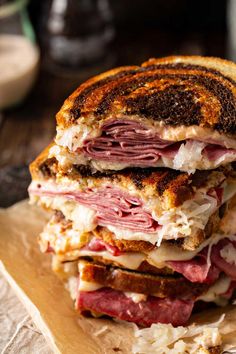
(18, 334)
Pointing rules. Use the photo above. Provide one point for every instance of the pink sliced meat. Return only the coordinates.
(125, 140)
(128, 141)
(214, 152)
(98, 245)
(154, 310)
(112, 206)
(196, 270)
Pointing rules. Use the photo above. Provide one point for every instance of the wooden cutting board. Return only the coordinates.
(29, 273)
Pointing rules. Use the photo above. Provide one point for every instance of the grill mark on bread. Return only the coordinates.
(227, 118)
(185, 66)
(81, 98)
(123, 90)
(173, 105)
(175, 183)
(187, 111)
(165, 181)
(177, 107)
(48, 167)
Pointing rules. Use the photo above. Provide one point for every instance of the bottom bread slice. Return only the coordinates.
(149, 284)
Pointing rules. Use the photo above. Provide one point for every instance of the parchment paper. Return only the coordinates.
(48, 303)
(18, 334)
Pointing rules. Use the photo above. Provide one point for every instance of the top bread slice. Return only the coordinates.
(176, 90)
(177, 112)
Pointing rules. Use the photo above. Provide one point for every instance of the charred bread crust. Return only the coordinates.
(174, 90)
(44, 167)
(125, 280)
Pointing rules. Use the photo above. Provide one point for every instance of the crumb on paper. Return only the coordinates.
(101, 331)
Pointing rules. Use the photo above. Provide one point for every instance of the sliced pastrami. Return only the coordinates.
(144, 313)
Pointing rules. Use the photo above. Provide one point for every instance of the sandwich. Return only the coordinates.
(150, 236)
(140, 182)
(176, 112)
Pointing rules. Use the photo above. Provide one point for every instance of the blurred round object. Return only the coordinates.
(77, 34)
(19, 56)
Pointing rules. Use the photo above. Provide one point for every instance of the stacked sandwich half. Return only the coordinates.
(141, 180)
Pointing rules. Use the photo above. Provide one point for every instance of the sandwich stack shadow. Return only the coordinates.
(141, 180)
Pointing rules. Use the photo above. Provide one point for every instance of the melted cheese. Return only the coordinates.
(88, 286)
(214, 292)
(68, 243)
(130, 260)
(158, 257)
(136, 297)
(167, 252)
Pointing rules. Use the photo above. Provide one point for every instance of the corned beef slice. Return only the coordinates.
(116, 304)
(129, 141)
(197, 269)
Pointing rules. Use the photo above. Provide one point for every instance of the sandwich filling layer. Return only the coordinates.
(204, 265)
(149, 299)
(122, 143)
(126, 214)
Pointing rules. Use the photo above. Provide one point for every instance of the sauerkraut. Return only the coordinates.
(165, 339)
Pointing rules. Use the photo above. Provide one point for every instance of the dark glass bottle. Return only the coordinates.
(77, 33)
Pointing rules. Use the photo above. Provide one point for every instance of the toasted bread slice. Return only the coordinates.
(208, 83)
(143, 283)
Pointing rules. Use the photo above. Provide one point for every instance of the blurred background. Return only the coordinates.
(47, 48)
